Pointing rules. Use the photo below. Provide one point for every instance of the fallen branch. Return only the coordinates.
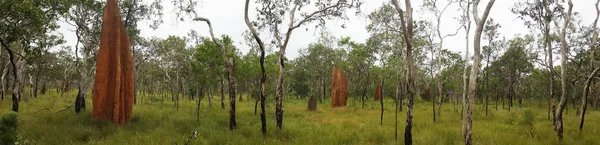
(194, 135)
(53, 111)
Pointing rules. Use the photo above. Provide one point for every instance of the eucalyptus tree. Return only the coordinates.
(86, 17)
(316, 62)
(438, 12)
(480, 23)
(360, 60)
(539, 14)
(515, 62)
(465, 20)
(566, 18)
(385, 33)
(257, 51)
(229, 63)
(41, 59)
(133, 12)
(407, 30)
(489, 52)
(584, 100)
(207, 64)
(23, 21)
(173, 57)
(271, 15)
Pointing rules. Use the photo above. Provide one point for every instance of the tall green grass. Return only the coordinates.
(160, 123)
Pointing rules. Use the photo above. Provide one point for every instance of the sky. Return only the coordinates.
(227, 17)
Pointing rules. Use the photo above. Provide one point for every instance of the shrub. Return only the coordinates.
(8, 128)
(528, 120)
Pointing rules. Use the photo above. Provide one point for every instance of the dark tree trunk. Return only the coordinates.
(44, 88)
(262, 68)
(323, 90)
(80, 101)
(586, 91)
(364, 94)
(199, 98)
(279, 92)
(16, 93)
(440, 99)
(210, 104)
(432, 103)
(381, 102)
(222, 93)
(487, 101)
(36, 83)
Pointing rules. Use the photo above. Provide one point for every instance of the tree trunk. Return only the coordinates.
(5, 72)
(465, 69)
(381, 102)
(440, 98)
(16, 93)
(548, 45)
(262, 67)
(407, 26)
(586, 92)
(36, 82)
(279, 93)
(480, 22)
(323, 90)
(210, 95)
(222, 93)
(80, 100)
(199, 98)
(588, 82)
(558, 124)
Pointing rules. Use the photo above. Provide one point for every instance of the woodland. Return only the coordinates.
(404, 84)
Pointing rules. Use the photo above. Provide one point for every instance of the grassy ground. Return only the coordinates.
(161, 123)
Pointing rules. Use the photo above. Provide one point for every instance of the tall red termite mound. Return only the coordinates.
(113, 89)
(339, 88)
(378, 92)
(312, 103)
(426, 93)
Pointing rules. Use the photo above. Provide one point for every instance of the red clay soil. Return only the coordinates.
(378, 92)
(339, 88)
(113, 88)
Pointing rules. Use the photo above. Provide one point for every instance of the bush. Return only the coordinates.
(8, 128)
(528, 120)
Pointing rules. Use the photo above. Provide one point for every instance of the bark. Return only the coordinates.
(36, 82)
(407, 27)
(558, 123)
(5, 72)
(381, 102)
(440, 99)
(548, 46)
(323, 90)
(586, 92)
(230, 73)
(262, 67)
(222, 93)
(432, 102)
(210, 104)
(466, 66)
(199, 98)
(480, 23)
(16, 93)
(588, 82)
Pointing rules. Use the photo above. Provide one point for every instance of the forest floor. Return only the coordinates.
(156, 122)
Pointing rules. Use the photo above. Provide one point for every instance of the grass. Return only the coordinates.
(161, 123)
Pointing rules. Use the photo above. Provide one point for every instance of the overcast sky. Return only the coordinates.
(227, 17)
